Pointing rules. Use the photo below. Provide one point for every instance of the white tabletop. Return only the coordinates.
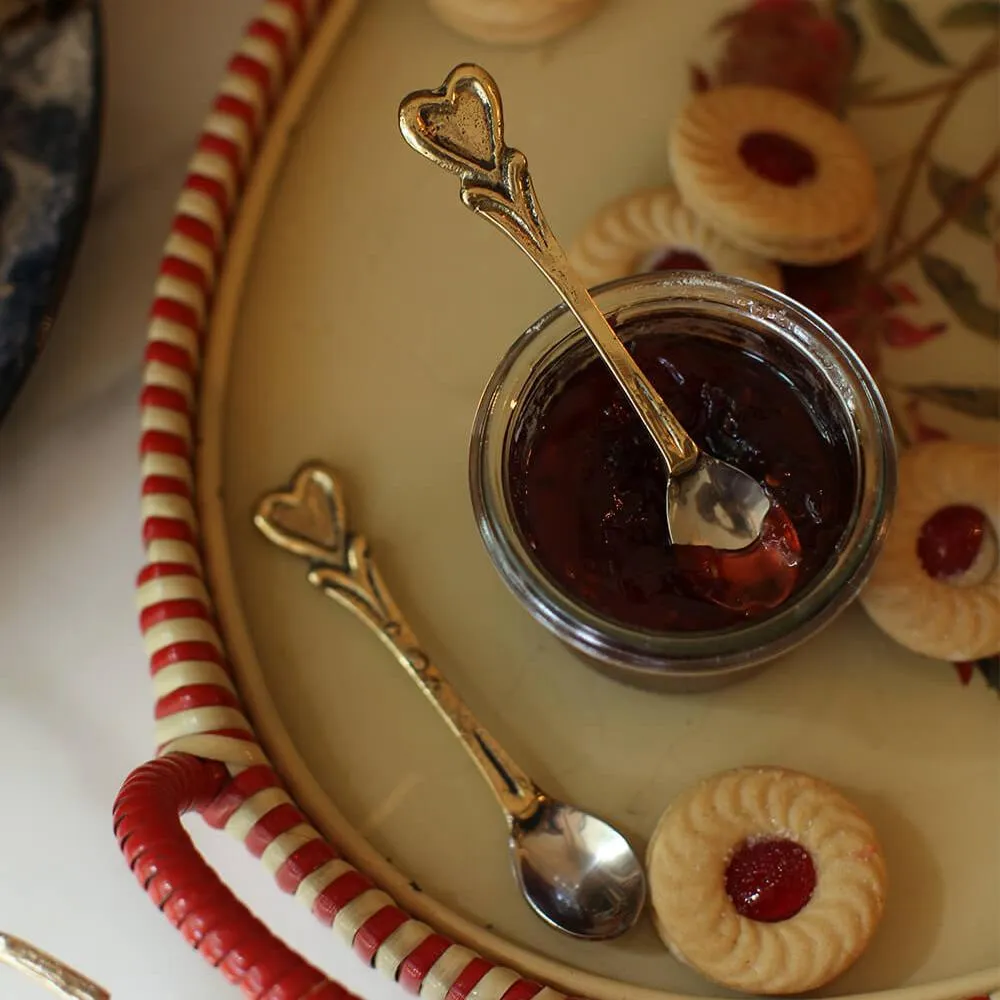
(75, 702)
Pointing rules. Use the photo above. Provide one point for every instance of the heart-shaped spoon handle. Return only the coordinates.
(460, 127)
(309, 520)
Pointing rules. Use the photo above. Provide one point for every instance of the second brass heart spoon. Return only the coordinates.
(576, 871)
(460, 127)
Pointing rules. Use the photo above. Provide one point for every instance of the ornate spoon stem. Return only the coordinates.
(341, 566)
(460, 127)
(576, 871)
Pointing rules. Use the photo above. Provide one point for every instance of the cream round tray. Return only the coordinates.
(356, 319)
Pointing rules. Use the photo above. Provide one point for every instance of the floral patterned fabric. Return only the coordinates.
(919, 83)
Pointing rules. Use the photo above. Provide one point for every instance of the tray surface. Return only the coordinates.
(372, 312)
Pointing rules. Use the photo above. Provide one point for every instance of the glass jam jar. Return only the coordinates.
(746, 325)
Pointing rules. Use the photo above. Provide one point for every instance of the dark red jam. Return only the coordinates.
(770, 880)
(753, 580)
(950, 540)
(589, 487)
(777, 158)
(675, 259)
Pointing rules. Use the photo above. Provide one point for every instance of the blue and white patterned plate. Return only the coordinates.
(50, 99)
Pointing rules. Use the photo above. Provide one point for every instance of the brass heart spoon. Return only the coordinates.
(460, 127)
(576, 871)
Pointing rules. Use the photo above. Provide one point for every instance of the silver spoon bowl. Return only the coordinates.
(460, 127)
(715, 504)
(576, 871)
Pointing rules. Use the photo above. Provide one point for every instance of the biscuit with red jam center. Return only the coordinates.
(775, 174)
(766, 880)
(936, 586)
(512, 22)
(653, 229)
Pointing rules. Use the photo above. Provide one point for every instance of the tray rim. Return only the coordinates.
(219, 731)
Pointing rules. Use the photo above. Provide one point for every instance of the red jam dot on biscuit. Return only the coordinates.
(777, 158)
(679, 260)
(950, 540)
(770, 880)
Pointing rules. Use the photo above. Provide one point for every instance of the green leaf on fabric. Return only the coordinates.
(961, 294)
(973, 401)
(855, 36)
(972, 14)
(949, 186)
(899, 24)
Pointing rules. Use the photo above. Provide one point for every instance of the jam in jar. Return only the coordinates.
(588, 486)
(569, 496)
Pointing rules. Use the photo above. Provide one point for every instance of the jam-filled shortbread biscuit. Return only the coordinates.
(936, 585)
(654, 230)
(512, 22)
(775, 174)
(766, 880)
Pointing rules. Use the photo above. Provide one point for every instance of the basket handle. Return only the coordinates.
(191, 895)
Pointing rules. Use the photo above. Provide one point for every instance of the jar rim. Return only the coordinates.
(739, 303)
